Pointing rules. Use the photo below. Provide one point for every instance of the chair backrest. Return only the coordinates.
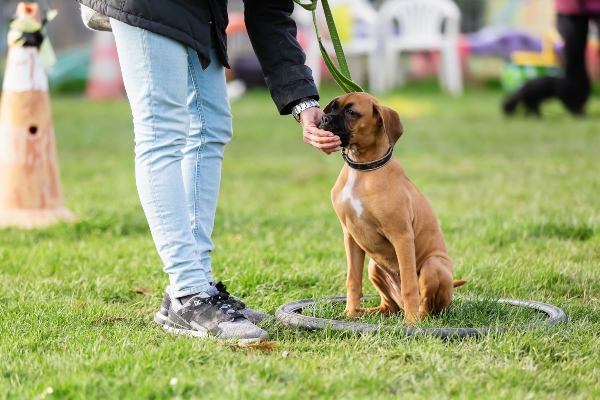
(357, 23)
(419, 21)
(360, 10)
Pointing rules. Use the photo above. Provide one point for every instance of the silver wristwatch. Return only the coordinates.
(303, 105)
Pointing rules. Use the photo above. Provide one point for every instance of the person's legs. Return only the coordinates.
(160, 78)
(574, 31)
(575, 86)
(210, 131)
(155, 71)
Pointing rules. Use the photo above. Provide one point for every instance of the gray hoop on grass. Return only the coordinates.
(289, 315)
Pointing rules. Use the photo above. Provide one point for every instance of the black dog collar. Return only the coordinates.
(368, 166)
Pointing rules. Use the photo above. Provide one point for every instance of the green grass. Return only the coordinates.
(518, 201)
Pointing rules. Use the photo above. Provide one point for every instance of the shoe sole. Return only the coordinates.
(160, 318)
(185, 332)
(198, 334)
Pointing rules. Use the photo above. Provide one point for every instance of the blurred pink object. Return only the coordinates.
(574, 7)
(424, 64)
(592, 60)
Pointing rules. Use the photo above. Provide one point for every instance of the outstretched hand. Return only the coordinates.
(325, 141)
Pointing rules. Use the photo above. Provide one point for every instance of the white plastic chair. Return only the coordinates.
(362, 45)
(415, 25)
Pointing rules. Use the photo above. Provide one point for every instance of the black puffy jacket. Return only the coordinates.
(271, 29)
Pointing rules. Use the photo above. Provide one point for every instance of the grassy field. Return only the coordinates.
(518, 201)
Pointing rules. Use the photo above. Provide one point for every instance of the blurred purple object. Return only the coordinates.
(503, 41)
(248, 70)
(360, 30)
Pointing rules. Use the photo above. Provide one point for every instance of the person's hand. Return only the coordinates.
(325, 141)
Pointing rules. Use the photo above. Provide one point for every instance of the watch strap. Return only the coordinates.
(303, 105)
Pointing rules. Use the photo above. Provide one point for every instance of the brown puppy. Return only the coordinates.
(384, 215)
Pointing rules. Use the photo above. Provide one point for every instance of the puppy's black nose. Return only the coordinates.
(325, 119)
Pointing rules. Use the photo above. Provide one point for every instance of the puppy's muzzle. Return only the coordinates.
(333, 123)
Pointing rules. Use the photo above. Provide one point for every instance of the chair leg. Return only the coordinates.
(377, 73)
(390, 69)
(451, 66)
(394, 72)
(442, 72)
(356, 65)
(399, 73)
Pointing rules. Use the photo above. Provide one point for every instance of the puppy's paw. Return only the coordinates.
(411, 318)
(352, 312)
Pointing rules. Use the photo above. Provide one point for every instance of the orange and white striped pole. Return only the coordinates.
(30, 187)
(105, 81)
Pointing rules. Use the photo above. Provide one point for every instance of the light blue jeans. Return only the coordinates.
(182, 122)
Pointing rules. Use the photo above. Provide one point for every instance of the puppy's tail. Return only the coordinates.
(459, 283)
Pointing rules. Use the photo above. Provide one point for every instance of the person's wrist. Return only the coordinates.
(303, 104)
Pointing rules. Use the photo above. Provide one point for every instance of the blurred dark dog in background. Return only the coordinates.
(534, 92)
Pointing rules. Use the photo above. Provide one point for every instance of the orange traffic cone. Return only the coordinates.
(105, 81)
(30, 189)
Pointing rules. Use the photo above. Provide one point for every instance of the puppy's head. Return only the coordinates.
(359, 120)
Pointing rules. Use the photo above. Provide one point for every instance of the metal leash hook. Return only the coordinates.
(343, 77)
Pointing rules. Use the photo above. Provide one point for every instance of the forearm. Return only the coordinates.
(272, 32)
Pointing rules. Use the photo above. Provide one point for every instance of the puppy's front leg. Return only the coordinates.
(404, 245)
(356, 264)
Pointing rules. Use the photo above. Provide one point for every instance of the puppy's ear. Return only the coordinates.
(327, 108)
(390, 120)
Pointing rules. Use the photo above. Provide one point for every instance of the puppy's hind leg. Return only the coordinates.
(435, 285)
(388, 288)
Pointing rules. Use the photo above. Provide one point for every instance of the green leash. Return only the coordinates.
(342, 77)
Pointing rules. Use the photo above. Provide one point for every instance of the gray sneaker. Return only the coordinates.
(208, 314)
(253, 316)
